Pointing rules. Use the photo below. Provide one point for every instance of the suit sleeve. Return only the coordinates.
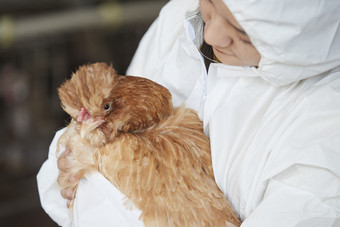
(305, 191)
(49, 190)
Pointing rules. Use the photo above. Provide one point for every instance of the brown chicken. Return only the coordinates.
(126, 128)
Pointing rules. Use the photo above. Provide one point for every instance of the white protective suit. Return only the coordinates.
(274, 130)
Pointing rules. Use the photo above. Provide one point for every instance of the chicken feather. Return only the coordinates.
(126, 128)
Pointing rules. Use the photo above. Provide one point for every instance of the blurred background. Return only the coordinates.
(41, 43)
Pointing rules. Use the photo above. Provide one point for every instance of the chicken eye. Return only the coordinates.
(107, 107)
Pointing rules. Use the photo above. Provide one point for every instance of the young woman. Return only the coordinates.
(264, 77)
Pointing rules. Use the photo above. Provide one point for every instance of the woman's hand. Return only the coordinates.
(68, 179)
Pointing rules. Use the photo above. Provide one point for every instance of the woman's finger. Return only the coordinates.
(68, 193)
(63, 161)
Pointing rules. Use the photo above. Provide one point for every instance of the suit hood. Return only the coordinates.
(296, 39)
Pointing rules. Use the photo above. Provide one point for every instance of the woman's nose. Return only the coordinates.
(215, 35)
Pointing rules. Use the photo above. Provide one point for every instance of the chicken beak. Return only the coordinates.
(86, 118)
(97, 121)
(89, 125)
(83, 115)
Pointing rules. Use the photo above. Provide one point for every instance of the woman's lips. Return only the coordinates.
(222, 52)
